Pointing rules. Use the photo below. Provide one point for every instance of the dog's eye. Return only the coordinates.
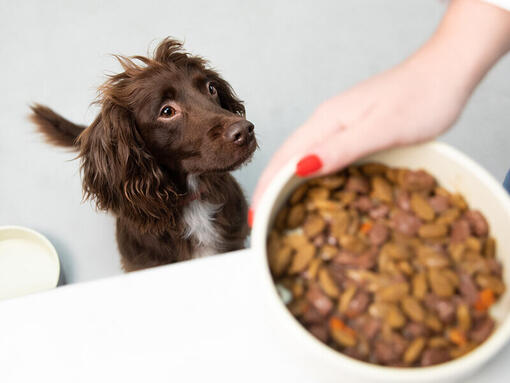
(212, 89)
(167, 111)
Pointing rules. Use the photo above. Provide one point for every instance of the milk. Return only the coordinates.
(25, 267)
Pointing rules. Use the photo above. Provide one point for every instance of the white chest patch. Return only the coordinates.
(199, 223)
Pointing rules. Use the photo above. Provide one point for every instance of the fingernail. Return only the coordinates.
(308, 165)
(250, 218)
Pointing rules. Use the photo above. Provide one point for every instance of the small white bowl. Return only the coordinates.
(28, 262)
(456, 172)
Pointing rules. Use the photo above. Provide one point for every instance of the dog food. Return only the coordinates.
(386, 266)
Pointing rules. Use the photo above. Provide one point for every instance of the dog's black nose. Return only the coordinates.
(239, 133)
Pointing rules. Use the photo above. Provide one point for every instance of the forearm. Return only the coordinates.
(470, 39)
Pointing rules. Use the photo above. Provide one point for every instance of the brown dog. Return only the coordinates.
(158, 156)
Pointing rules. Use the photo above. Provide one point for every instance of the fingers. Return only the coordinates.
(349, 145)
(307, 136)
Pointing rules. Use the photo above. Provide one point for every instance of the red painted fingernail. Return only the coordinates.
(308, 165)
(250, 218)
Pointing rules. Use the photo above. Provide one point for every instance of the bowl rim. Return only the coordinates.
(456, 367)
(42, 240)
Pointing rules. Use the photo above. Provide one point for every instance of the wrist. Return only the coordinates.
(472, 36)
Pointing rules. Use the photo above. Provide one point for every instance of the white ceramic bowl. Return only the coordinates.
(28, 262)
(454, 171)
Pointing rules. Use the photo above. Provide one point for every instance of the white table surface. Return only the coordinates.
(196, 321)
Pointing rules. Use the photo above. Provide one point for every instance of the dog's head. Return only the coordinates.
(161, 119)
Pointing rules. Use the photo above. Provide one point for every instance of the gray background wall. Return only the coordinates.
(282, 57)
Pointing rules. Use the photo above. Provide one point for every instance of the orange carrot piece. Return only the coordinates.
(366, 227)
(485, 300)
(457, 337)
(336, 324)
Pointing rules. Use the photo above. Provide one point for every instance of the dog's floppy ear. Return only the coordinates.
(120, 175)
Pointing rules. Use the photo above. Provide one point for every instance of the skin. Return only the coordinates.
(413, 102)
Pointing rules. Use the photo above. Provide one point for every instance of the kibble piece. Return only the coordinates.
(456, 251)
(339, 224)
(414, 350)
(372, 168)
(421, 207)
(327, 252)
(295, 240)
(280, 260)
(430, 257)
(452, 277)
(317, 193)
(297, 289)
(326, 208)
(281, 219)
(486, 281)
(458, 201)
(418, 180)
(357, 184)
(413, 309)
(298, 307)
(273, 242)
(474, 244)
(352, 243)
(448, 216)
(313, 268)
(327, 283)
(433, 322)
(346, 197)
(463, 317)
(405, 267)
(490, 247)
(478, 222)
(296, 216)
(344, 338)
(433, 230)
(389, 313)
(382, 190)
(394, 317)
(419, 285)
(395, 251)
(298, 194)
(314, 225)
(330, 182)
(346, 298)
(439, 283)
(394, 292)
(302, 258)
(438, 342)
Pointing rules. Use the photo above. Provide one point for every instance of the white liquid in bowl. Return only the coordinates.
(26, 266)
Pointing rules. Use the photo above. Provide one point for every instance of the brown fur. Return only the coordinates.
(135, 159)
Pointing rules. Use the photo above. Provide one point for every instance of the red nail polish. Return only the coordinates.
(250, 218)
(308, 165)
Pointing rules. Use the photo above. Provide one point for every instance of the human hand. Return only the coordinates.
(413, 102)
